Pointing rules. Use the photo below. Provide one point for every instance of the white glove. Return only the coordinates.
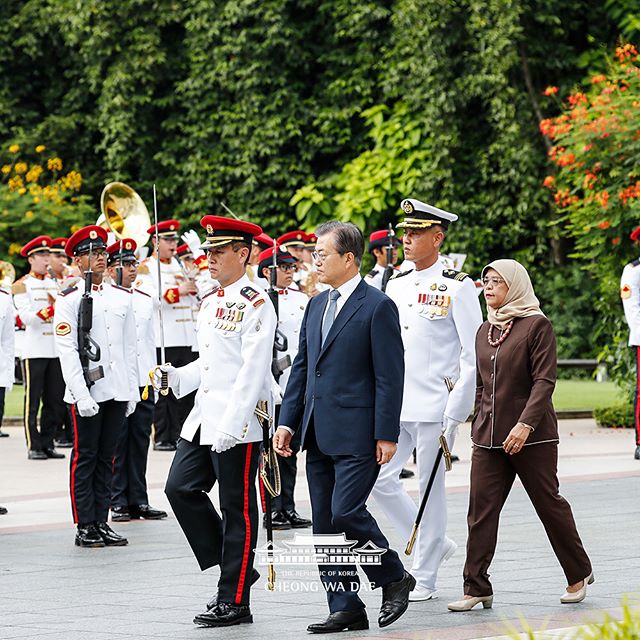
(223, 442)
(450, 430)
(87, 407)
(173, 377)
(131, 407)
(193, 242)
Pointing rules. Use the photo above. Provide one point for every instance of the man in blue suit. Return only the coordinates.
(344, 395)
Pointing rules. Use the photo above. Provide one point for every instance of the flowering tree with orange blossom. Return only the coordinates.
(595, 184)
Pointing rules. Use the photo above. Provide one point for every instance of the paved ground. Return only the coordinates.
(152, 588)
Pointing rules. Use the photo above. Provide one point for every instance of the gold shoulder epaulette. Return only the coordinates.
(18, 287)
(400, 274)
(143, 269)
(454, 275)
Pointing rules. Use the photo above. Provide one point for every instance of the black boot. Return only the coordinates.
(225, 614)
(120, 514)
(109, 536)
(88, 536)
(145, 511)
(214, 599)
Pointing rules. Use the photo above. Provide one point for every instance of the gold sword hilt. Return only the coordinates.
(412, 540)
(271, 577)
(446, 454)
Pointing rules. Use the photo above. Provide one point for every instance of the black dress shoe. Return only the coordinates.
(296, 520)
(145, 511)
(214, 600)
(63, 444)
(279, 521)
(636, 455)
(455, 458)
(3, 434)
(406, 473)
(164, 446)
(32, 454)
(120, 514)
(3, 510)
(109, 536)
(355, 620)
(225, 614)
(52, 453)
(88, 536)
(395, 599)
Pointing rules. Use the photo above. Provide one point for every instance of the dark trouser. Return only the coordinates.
(492, 474)
(288, 470)
(339, 487)
(130, 464)
(170, 412)
(230, 540)
(64, 433)
(94, 446)
(636, 398)
(3, 391)
(42, 381)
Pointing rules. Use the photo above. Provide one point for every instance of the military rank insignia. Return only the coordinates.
(625, 291)
(249, 293)
(63, 329)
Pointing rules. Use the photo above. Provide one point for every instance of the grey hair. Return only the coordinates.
(348, 238)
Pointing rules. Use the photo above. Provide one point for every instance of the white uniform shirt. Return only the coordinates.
(439, 318)
(374, 277)
(177, 314)
(630, 294)
(291, 306)
(236, 328)
(144, 317)
(113, 329)
(7, 336)
(34, 298)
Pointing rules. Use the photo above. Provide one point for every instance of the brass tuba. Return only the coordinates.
(7, 274)
(124, 213)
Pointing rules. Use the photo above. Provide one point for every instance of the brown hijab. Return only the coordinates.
(520, 301)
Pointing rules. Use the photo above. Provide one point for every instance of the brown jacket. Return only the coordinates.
(515, 382)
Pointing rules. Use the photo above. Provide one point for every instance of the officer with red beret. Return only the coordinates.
(178, 295)
(378, 243)
(219, 442)
(34, 296)
(102, 394)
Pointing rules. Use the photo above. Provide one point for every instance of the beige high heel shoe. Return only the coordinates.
(580, 594)
(466, 604)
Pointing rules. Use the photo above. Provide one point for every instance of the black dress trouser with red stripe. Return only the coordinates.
(94, 447)
(636, 398)
(227, 539)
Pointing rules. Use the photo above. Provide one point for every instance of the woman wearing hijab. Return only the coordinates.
(515, 433)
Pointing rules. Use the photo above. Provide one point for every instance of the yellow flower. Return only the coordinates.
(54, 164)
(22, 191)
(35, 189)
(74, 228)
(40, 148)
(71, 182)
(15, 183)
(21, 167)
(28, 215)
(14, 148)
(14, 249)
(36, 200)
(34, 173)
(6, 168)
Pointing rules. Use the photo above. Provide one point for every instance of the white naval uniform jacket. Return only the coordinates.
(113, 329)
(439, 318)
(177, 315)
(236, 328)
(7, 340)
(630, 295)
(291, 306)
(374, 277)
(33, 298)
(144, 317)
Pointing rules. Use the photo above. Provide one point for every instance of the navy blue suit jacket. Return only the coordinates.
(352, 385)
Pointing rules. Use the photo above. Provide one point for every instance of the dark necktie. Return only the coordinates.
(330, 316)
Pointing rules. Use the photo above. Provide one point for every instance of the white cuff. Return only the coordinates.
(289, 429)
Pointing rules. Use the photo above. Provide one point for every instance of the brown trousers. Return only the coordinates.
(492, 475)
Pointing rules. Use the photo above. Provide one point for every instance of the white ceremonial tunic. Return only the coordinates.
(374, 277)
(630, 295)
(291, 306)
(34, 298)
(177, 314)
(113, 329)
(439, 318)
(144, 317)
(7, 340)
(236, 328)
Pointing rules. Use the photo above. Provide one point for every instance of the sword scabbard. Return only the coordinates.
(412, 540)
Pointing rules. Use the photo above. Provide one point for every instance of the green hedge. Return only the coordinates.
(618, 416)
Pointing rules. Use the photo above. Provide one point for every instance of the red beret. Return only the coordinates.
(183, 250)
(167, 229)
(93, 237)
(635, 234)
(266, 259)
(58, 245)
(41, 243)
(311, 240)
(380, 239)
(221, 231)
(295, 238)
(123, 250)
(263, 240)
